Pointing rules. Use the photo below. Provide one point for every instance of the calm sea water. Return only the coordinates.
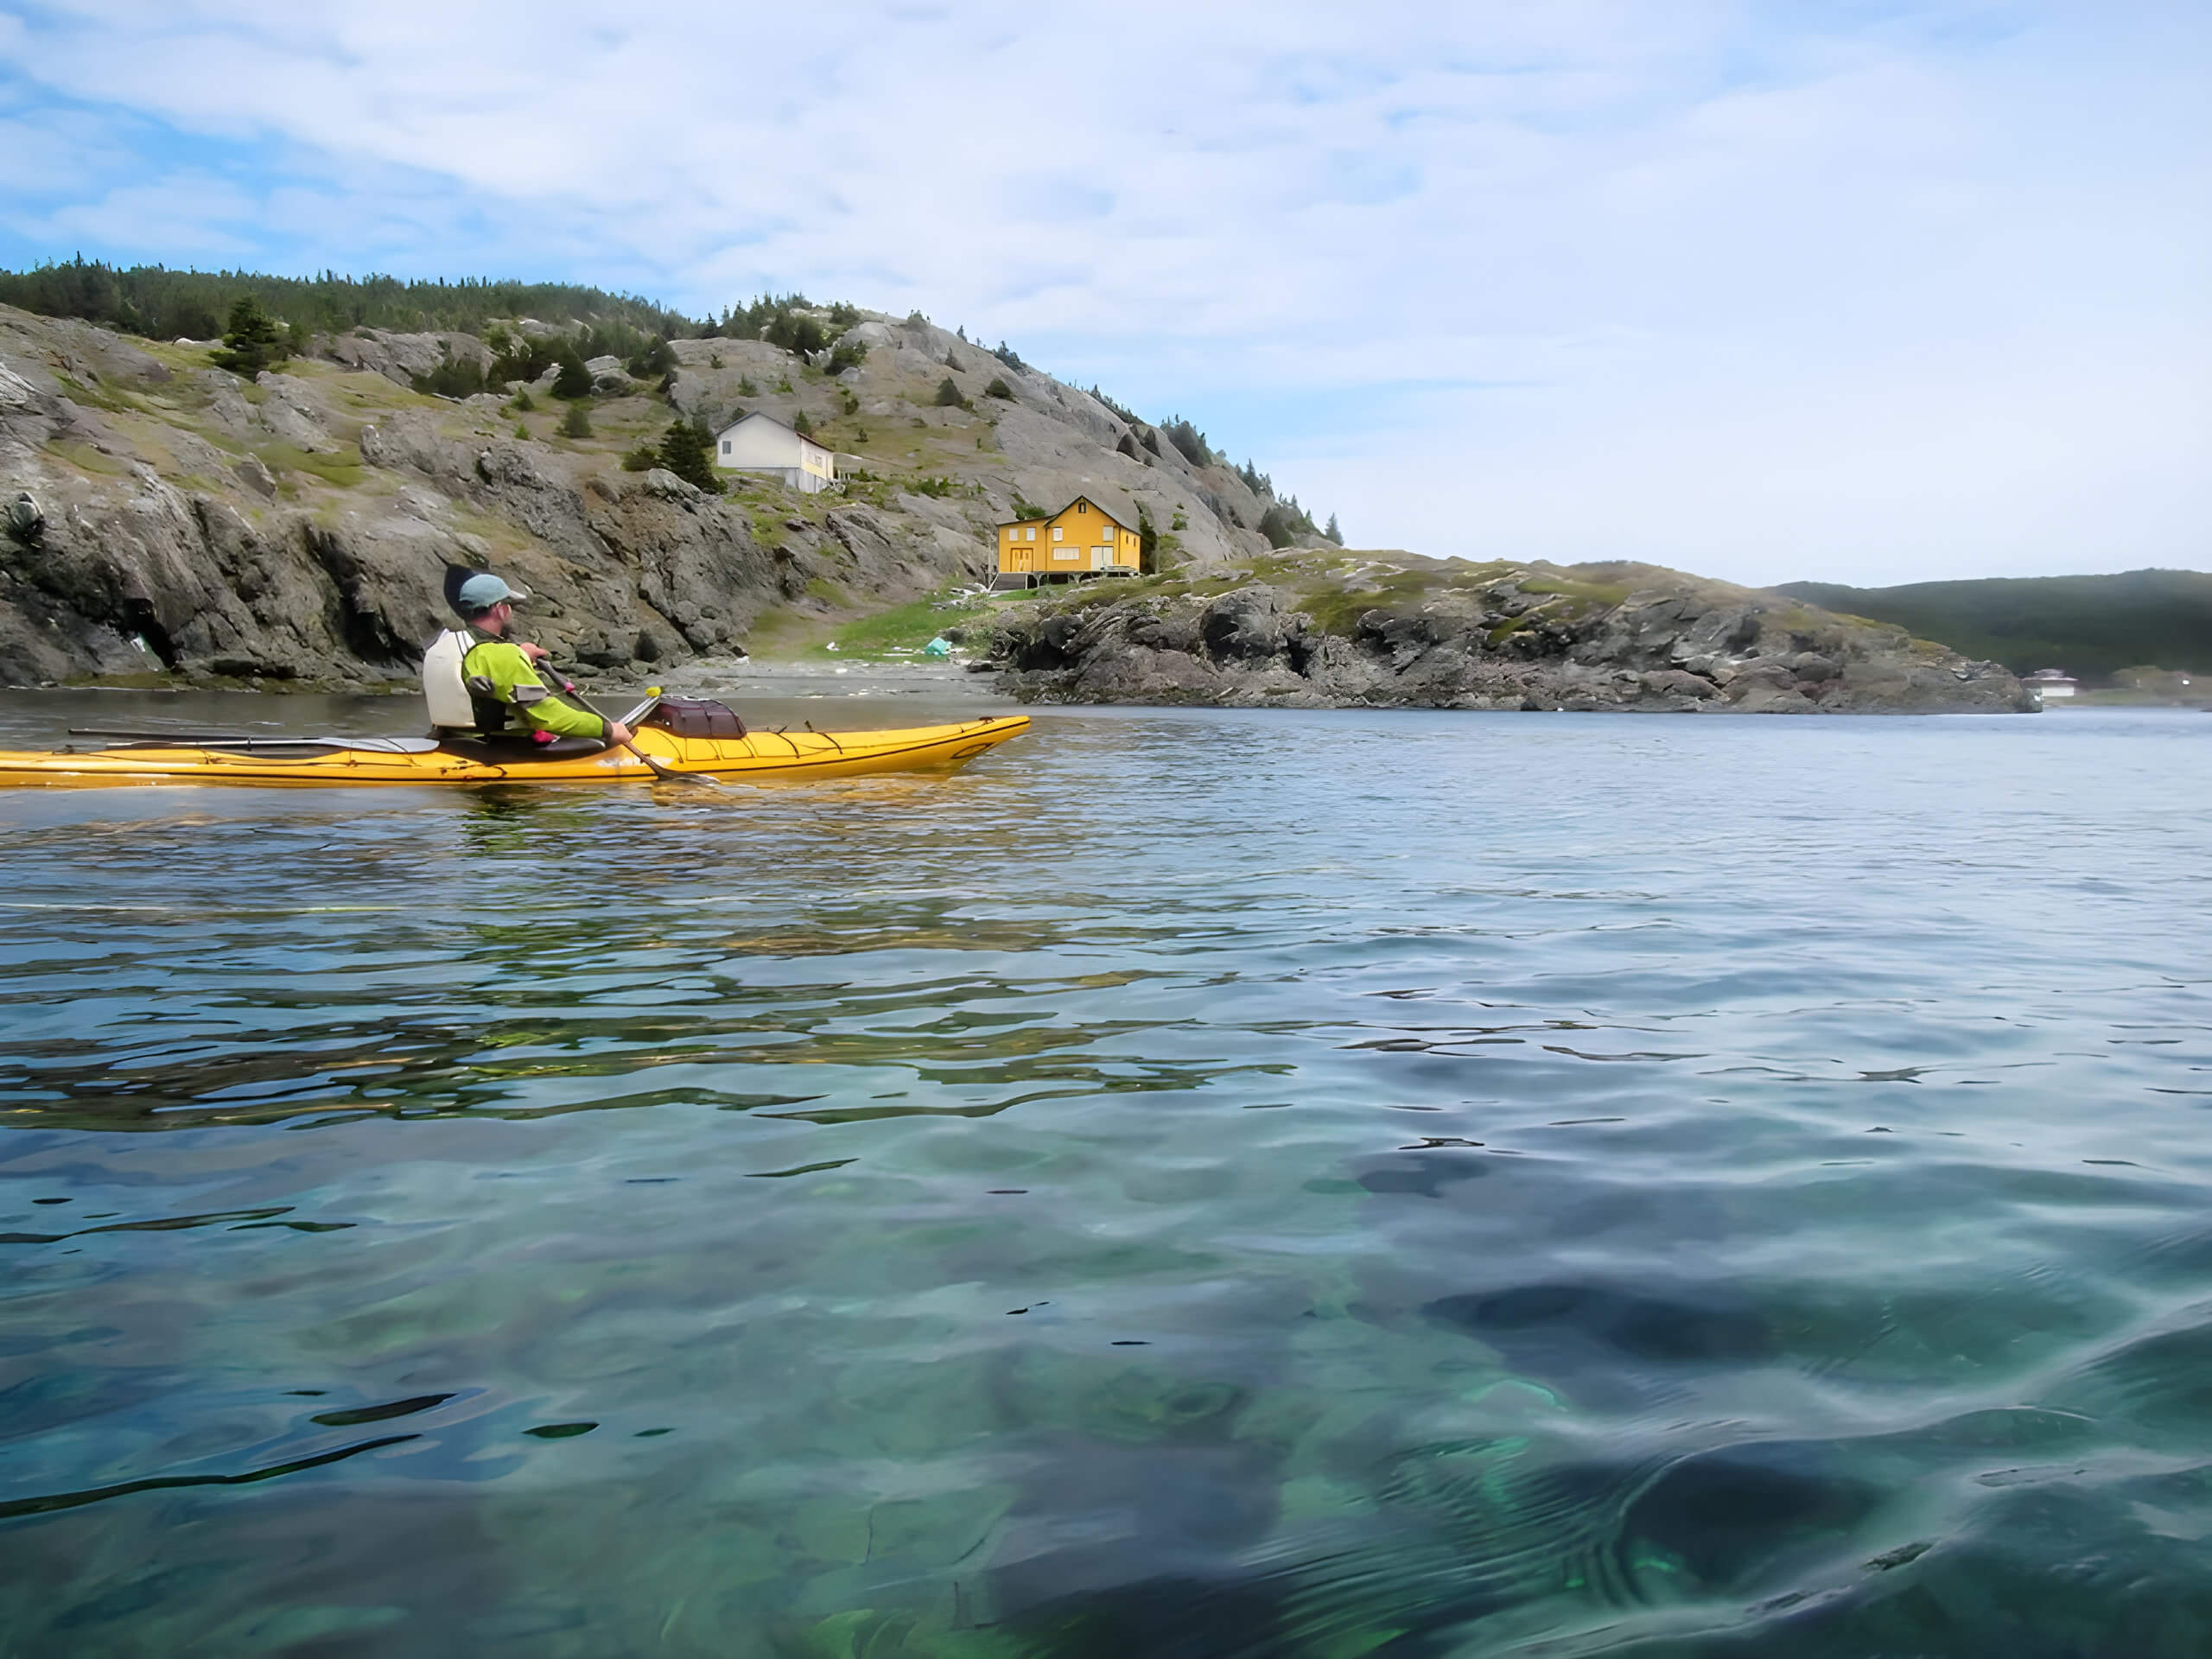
(1195, 1183)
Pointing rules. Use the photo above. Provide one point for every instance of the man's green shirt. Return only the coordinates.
(515, 683)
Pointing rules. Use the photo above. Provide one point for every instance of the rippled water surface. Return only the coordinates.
(1195, 1183)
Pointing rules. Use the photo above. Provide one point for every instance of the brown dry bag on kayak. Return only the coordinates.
(694, 717)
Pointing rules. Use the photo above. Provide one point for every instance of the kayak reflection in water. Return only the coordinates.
(504, 675)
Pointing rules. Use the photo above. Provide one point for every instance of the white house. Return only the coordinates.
(2049, 683)
(760, 443)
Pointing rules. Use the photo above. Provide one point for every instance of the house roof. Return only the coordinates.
(1104, 512)
(758, 415)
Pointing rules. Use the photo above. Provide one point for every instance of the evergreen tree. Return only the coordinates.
(575, 379)
(577, 423)
(687, 450)
(1332, 532)
(658, 359)
(948, 394)
(251, 343)
(998, 388)
(801, 425)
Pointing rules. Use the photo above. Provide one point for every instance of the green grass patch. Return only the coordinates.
(97, 396)
(1337, 608)
(85, 459)
(1586, 596)
(911, 626)
(340, 468)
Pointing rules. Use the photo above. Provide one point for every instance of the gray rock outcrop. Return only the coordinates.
(1398, 632)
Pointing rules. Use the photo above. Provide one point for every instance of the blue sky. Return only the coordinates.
(1869, 292)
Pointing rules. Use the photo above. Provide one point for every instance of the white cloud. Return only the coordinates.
(1924, 288)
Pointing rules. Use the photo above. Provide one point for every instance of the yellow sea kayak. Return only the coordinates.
(757, 756)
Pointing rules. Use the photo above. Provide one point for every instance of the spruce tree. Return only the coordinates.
(687, 450)
(577, 423)
(251, 343)
(1332, 532)
(948, 394)
(575, 379)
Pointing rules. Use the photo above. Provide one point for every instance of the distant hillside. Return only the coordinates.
(2091, 627)
(158, 304)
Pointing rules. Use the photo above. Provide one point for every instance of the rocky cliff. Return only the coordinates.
(1323, 628)
(293, 528)
(166, 517)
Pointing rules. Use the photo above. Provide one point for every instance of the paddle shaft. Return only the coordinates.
(659, 769)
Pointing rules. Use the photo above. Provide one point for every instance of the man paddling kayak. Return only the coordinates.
(505, 671)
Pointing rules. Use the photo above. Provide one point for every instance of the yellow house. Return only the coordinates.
(1081, 539)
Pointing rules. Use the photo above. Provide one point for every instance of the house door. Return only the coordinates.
(1024, 558)
(1101, 557)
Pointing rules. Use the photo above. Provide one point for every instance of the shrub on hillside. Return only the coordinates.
(847, 354)
(1286, 523)
(575, 379)
(998, 388)
(515, 358)
(801, 425)
(1192, 441)
(804, 336)
(577, 423)
(251, 342)
(948, 394)
(449, 378)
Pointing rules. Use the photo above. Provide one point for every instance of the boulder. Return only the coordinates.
(609, 377)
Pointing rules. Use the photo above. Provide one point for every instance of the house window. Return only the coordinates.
(1059, 535)
(1032, 533)
(725, 445)
(1082, 506)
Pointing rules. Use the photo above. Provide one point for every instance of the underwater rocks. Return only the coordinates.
(1328, 630)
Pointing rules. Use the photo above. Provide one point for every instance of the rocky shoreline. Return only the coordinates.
(1328, 629)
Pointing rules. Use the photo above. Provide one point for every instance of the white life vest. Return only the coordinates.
(443, 688)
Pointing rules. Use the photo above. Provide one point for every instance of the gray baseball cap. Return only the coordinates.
(481, 592)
